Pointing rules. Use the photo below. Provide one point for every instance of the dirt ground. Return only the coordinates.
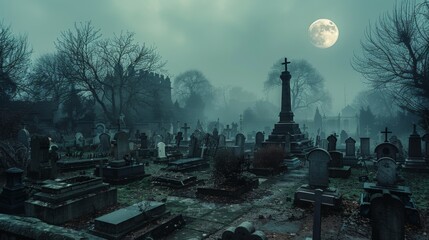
(270, 207)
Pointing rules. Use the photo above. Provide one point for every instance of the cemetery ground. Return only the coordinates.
(270, 206)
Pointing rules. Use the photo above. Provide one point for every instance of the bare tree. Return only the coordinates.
(193, 82)
(307, 85)
(103, 68)
(14, 61)
(395, 57)
(46, 79)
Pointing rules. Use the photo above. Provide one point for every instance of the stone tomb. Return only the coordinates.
(187, 164)
(13, 196)
(120, 171)
(336, 166)
(350, 158)
(174, 180)
(384, 193)
(415, 162)
(117, 224)
(62, 200)
(318, 178)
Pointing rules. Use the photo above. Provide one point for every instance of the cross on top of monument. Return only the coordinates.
(385, 134)
(285, 63)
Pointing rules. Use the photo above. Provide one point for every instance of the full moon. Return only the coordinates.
(323, 33)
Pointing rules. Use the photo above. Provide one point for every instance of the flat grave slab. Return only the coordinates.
(174, 181)
(69, 164)
(187, 164)
(120, 222)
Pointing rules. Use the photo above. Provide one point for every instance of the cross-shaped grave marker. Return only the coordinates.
(386, 132)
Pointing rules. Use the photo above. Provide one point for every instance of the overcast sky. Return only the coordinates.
(233, 42)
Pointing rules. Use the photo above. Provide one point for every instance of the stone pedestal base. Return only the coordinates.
(12, 201)
(416, 165)
(292, 163)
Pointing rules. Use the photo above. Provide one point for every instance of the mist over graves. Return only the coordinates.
(109, 137)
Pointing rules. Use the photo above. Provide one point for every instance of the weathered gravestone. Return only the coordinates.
(365, 151)
(350, 157)
(24, 137)
(415, 161)
(40, 167)
(143, 141)
(178, 138)
(384, 195)
(259, 139)
(386, 149)
(79, 140)
(332, 142)
(222, 140)
(240, 140)
(193, 147)
(161, 150)
(336, 166)
(134, 218)
(105, 145)
(122, 147)
(318, 177)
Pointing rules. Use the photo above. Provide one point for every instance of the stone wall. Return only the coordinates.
(14, 227)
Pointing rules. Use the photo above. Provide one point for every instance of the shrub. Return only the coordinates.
(227, 166)
(268, 157)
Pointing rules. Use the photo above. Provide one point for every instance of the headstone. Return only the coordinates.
(336, 159)
(122, 146)
(193, 147)
(318, 174)
(332, 142)
(387, 217)
(79, 139)
(39, 158)
(350, 147)
(179, 138)
(143, 141)
(24, 137)
(185, 130)
(386, 172)
(161, 150)
(240, 140)
(104, 143)
(222, 140)
(386, 149)
(414, 145)
(364, 147)
(259, 139)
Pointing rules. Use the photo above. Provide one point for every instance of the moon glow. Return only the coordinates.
(323, 33)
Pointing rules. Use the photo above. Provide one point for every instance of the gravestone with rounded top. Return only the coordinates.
(259, 139)
(386, 149)
(161, 150)
(332, 143)
(386, 172)
(104, 146)
(318, 173)
(24, 137)
(122, 145)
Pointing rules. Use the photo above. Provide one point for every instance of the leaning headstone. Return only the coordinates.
(24, 137)
(122, 145)
(161, 150)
